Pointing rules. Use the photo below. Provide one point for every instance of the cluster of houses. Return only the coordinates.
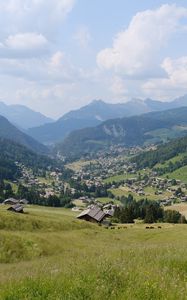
(47, 188)
(160, 185)
(15, 205)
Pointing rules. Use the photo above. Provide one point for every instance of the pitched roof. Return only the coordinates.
(17, 208)
(12, 200)
(95, 212)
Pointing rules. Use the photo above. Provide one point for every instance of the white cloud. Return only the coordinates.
(43, 16)
(118, 87)
(24, 45)
(83, 36)
(26, 41)
(136, 50)
(49, 70)
(174, 85)
(25, 7)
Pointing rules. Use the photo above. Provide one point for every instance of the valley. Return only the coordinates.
(49, 252)
(93, 150)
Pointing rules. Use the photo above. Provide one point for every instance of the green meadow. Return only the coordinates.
(48, 254)
(180, 174)
(149, 193)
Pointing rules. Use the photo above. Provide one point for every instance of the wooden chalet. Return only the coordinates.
(18, 208)
(94, 215)
(11, 201)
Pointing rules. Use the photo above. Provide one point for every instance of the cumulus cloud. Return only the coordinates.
(49, 70)
(174, 85)
(136, 50)
(43, 16)
(118, 87)
(37, 65)
(23, 45)
(25, 41)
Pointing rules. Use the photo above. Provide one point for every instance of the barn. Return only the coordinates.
(11, 201)
(93, 214)
(18, 208)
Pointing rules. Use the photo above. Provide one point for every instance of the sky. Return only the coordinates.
(58, 55)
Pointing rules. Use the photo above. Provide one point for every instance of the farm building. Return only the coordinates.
(23, 201)
(11, 201)
(18, 208)
(94, 214)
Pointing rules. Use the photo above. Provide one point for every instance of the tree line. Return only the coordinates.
(146, 210)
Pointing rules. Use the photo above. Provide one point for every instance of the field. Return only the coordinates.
(181, 207)
(79, 164)
(149, 193)
(105, 200)
(175, 159)
(180, 174)
(48, 254)
(118, 178)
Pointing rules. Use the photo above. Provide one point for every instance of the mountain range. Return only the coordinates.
(154, 127)
(22, 116)
(10, 132)
(95, 113)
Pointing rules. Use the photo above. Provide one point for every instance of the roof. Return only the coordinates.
(24, 201)
(95, 212)
(109, 212)
(11, 200)
(17, 207)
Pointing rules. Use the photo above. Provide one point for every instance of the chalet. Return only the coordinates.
(11, 201)
(23, 201)
(109, 212)
(18, 208)
(94, 214)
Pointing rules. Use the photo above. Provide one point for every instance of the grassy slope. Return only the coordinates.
(118, 178)
(149, 193)
(79, 164)
(180, 174)
(67, 259)
(172, 160)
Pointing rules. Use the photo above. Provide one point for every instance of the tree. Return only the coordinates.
(173, 216)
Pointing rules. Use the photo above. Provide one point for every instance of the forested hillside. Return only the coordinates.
(162, 154)
(148, 128)
(12, 152)
(9, 131)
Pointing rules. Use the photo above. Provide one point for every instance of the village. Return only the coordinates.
(103, 182)
(120, 177)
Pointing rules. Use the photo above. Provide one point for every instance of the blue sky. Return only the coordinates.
(57, 55)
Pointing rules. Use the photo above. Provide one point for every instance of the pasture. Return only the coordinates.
(180, 174)
(48, 254)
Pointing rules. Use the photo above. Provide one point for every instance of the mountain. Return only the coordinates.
(155, 105)
(152, 127)
(90, 115)
(22, 116)
(12, 152)
(10, 132)
(95, 113)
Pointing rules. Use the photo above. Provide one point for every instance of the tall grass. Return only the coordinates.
(90, 262)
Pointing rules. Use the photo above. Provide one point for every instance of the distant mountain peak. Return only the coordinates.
(94, 113)
(97, 102)
(22, 116)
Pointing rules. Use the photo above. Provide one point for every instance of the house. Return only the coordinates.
(94, 214)
(109, 212)
(11, 201)
(18, 208)
(23, 201)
